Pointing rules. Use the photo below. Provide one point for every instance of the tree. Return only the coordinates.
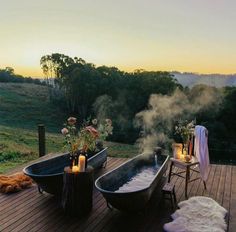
(83, 83)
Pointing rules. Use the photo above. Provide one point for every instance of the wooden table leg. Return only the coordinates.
(171, 165)
(174, 196)
(186, 181)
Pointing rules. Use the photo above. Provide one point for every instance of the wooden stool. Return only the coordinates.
(169, 190)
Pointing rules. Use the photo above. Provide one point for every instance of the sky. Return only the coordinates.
(167, 35)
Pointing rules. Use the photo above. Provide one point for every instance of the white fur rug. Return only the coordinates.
(198, 214)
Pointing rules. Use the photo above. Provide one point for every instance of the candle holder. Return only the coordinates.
(177, 150)
(77, 194)
(187, 158)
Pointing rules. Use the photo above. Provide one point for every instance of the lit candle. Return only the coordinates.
(178, 154)
(75, 168)
(182, 156)
(177, 150)
(82, 163)
(184, 152)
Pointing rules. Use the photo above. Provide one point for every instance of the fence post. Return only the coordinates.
(41, 139)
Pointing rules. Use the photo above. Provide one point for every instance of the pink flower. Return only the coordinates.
(92, 130)
(64, 131)
(71, 121)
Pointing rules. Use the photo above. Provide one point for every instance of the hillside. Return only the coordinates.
(19, 146)
(26, 105)
(217, 80)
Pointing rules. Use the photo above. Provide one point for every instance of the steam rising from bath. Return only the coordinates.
(163, 111)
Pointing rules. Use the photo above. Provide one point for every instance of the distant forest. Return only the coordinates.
(86, 91)
(8, 75)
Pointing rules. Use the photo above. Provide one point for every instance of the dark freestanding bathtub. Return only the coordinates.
(48, 174)
(130, 186)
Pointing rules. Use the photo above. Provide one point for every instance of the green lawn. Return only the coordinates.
(26, 105)
(19, 146)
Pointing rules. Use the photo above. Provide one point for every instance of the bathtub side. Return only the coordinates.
(130, 201)
(48, 174)
(99, 159)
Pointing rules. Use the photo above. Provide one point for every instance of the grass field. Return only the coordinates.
(26, 105)
(22, 107)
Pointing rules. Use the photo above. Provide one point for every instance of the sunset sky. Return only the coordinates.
(182, 35)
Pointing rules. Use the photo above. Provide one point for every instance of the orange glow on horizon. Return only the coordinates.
(197, 36)
(38, 73)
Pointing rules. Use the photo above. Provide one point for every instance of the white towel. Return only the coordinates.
(201, 150)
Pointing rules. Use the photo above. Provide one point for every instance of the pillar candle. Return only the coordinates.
(82, 163)
(177, 150)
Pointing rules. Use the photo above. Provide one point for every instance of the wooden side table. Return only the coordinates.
(187, 167)
(77, 194)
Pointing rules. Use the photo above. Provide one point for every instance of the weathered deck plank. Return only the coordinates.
(232, 216)
(30, 211)
(227, 191)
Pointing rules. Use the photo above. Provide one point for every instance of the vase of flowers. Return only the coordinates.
(85, 139)
(185, 130)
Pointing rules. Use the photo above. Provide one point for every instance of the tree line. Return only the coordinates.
(84, 90)
(8, 75)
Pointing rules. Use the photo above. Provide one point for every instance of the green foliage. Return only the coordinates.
(7, 156)
(219, 119)
(83, 85)
(121, 150)
(185, 129)
(228, 112)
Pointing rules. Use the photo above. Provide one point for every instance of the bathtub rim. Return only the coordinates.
(52, 158)
(135, 191)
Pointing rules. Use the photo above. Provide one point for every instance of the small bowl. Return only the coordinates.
(187, 158)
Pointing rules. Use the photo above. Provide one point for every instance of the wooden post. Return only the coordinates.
(41, 139)
(77, 194)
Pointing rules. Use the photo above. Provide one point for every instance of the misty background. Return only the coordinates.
(216, 80)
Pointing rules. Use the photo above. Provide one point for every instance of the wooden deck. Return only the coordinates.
(30, 211)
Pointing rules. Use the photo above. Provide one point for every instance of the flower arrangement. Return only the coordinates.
(185, 129)
(85, 138)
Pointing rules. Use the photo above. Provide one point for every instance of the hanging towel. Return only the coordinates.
(201, 150)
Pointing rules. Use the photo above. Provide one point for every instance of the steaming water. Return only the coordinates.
(140, 179)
